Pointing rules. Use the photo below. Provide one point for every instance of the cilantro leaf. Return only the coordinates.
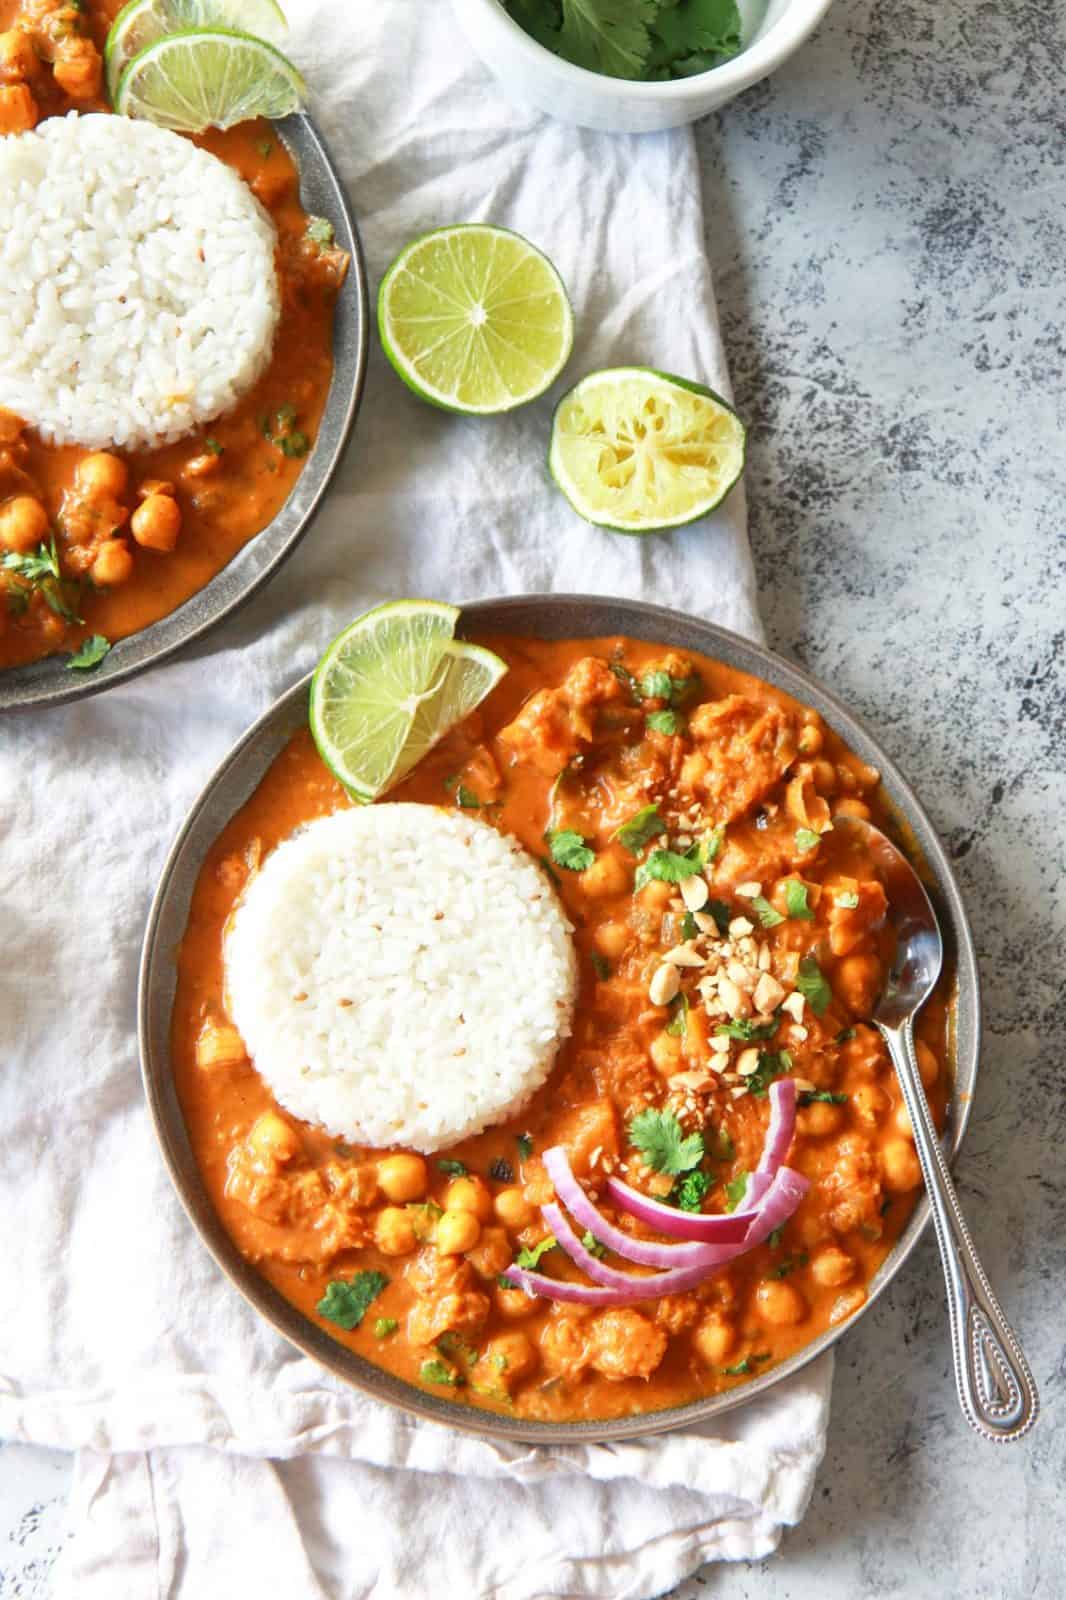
(823, 1097)
(688, 1192)
(677, 1027)
(620, 670)
(92, 652)
(796, 900)
(453, 1169)
(813, 987)
(667, 867)
(712, 843)
(346, 1303)
(740, 1370)
(735, 1190)
(689, 927)
(524, 1141)
(608, 36)
(721, 914)
(213, 447)
(844, 1035)
(746, 1030)
(658, 1135)
(639, 829)
(467, 798)
(384, 1326)
(789, 1264)
(593, 1245)
(771, 1065)
(766, 913)
(656, 686)
(807, 839)
(531, 1258)
(569, 850)
(695, 29)
(667, 722)
(437, 1371)
(775, 1238)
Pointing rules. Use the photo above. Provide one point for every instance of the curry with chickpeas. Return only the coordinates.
(602, 757)
(99, 544)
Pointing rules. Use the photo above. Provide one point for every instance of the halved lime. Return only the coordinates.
(389, 687)
(475, 319)
(208, 78)
(640, 451)
(142, 22)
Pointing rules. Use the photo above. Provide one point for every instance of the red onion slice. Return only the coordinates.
(782, 1126)
(626, 1283)
(646, 1252)
(719, 1227)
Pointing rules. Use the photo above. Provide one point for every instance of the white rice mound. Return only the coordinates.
(138, 287)
(401, 975)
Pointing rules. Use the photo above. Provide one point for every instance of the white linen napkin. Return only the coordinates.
(212, 1458)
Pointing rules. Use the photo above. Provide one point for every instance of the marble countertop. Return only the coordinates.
(886, 222)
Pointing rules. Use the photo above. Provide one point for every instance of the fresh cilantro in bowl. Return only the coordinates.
(653, 40)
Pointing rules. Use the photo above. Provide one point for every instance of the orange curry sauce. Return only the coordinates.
(308, 1209)
(228, 480)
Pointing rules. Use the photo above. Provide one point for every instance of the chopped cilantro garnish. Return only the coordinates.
(92, 652)
(666, 867)
(213, 447)
(775, 1238)
(789, 1264)
(467, 798)
(592, 1244)
(635, 833)
(747, 1031)
(524, 1141)
(453, 1169)
(689, 927)
(320, 231)
(766, 913)
(437, 1371)
(735, 1190)
(712, 843)
(530, 1258)
(721, 914)
(844, 1035)
(656, 686)
(659, 1137)
(740, 1370)
(667, 722)
(847, 900)
(293, 444)
(771, 1065)
(796, 900)
(265, 146)
(813, 987)
(626, 679)
(823, 1097)
(601, 966)
(677, 1027)
(346, 1302)
(550, 870)
(807, 839)
(455, 1349)
(384, 1326)
(569, 850)
(688, 1192)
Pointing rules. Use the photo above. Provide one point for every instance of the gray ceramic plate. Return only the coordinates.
(549, 617)
(48, 682)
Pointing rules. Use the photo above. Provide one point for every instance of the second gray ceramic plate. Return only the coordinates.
(545, 617)
(48, 682)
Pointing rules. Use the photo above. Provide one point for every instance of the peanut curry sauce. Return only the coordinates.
(310, 1211)
(138, 532)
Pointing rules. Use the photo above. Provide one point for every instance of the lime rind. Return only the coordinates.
(632, 457)
(141, 22)
(475, 319)
(201, 78)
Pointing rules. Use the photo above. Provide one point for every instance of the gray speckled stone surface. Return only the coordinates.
(886, 222)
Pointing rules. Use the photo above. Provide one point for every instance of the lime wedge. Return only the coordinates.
(142, 22)
(389, 687)
(475, 319)
(640, 451)
(208, 78)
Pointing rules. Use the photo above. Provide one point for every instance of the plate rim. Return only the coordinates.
(271, 729)
(38, 685)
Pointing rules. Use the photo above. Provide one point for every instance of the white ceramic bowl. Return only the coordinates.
(772, 31)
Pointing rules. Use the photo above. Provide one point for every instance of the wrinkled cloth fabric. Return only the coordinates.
(212, 1457)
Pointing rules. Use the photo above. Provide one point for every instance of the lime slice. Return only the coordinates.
(640, 451)
(468, 673)
(389, 687)
(208, 78)
(142, 22)
(475, 319)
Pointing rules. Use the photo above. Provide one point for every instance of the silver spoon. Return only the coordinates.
(996, 1389)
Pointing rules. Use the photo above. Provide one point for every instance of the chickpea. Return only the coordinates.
(845, 1305)
(513, 1303)
(513, 1209)
(665, 1052)
(899, 1166)
(492, 1253)
(101, 476)
(77, 68)
(112, 563)
(23, 523)
(928, 1065)
(853, 808)
(156, 522)
(779, 1304)
(273, 1139)
(824, 776)
(17, 59)
(457, 1231)
(18, 108)
(858, 981)
(469, 1194)
(831, 1267)
(819, 1120)
(394, 1232)
(715, 1339)
(402, 1177)
(901, 1121)
(608, 875)
(512, 1355)
(869, 1101)
(611, 939)
(656, 895)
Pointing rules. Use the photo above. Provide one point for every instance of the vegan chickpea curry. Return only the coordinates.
(96, 545)
(731, 944)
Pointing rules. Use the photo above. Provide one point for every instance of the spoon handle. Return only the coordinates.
(996, 1389)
